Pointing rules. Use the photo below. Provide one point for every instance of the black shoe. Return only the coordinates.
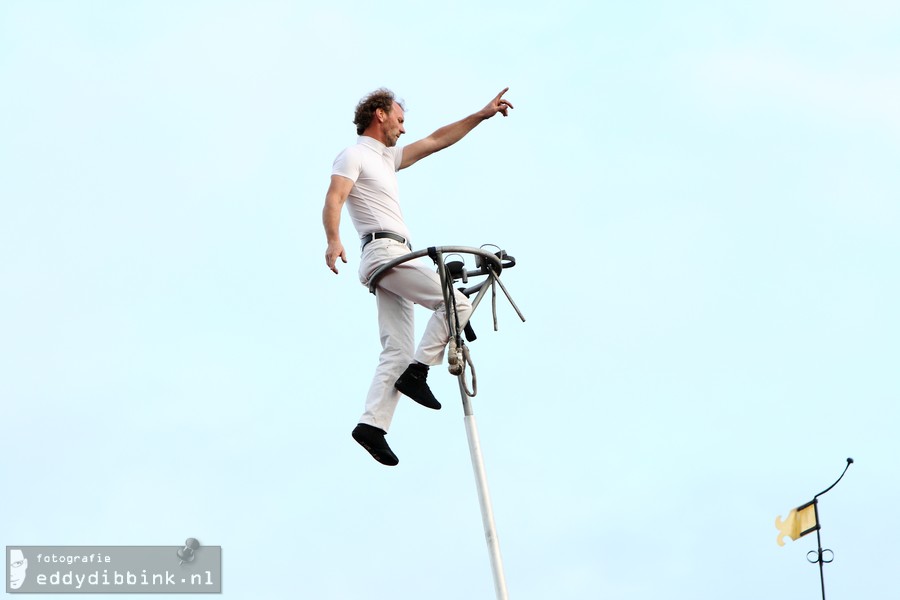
(372, 439)
(412, 383)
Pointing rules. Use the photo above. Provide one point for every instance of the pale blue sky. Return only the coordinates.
(704, 202)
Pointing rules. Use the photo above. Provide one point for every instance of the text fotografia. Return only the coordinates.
(70, 559)
(126, 579)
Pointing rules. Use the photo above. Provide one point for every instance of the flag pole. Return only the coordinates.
(820, 554)
(819, 558)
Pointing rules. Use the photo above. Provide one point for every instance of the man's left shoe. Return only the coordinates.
(372, 439)
(412, 383)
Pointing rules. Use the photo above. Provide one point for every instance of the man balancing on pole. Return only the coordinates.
(365, 177)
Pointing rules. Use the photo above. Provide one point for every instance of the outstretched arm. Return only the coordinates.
(450, 134)
(335, 197)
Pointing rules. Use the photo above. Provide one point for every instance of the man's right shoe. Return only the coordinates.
(412, 383)
(372, 439)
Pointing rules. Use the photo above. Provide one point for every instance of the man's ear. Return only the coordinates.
(379, 112)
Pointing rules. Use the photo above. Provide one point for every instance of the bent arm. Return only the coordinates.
(450, 134)
(335, 197)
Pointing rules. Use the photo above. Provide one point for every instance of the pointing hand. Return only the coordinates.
(497, 105)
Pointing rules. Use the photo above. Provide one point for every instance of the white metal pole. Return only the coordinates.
(484, 497)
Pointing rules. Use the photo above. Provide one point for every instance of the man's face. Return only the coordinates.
(392, 127)
(17, 566)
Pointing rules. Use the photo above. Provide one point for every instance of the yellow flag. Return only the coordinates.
(799, 522)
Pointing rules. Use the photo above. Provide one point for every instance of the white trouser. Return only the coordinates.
(406, 284)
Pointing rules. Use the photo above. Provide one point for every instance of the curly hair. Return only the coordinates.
(382, 98)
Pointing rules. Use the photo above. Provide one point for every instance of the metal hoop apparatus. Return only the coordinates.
(490, 266)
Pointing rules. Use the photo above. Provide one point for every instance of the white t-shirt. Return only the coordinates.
(374, 200)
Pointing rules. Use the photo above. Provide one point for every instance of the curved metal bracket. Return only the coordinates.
(492, 260)
(488, 264)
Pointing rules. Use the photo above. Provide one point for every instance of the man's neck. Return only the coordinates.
(376, 134)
